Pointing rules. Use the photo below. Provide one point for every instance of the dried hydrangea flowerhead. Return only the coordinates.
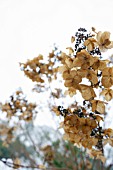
(83, 127)
(83, 59)
(18, 106)
(41, 68)
(103, 40)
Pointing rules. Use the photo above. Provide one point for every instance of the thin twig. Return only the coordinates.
(14, 165)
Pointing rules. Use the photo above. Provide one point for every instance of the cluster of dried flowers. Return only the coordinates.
(39, 69)
(17, 108)
(81, 124)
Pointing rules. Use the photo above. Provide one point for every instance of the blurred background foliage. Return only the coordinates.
(45, 145)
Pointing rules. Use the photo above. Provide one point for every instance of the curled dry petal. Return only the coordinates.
(71, 51)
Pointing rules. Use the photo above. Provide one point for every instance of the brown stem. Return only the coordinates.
(14, 165)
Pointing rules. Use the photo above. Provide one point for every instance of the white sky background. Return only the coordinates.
(30, 27)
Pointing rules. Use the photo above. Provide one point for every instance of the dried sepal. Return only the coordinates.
(90, 43)
(98, 106)
(69, 62)
(71, 91)
(107, 93)
(107, 77)
(63, 68)
(92, 76)
(72, 39)
(99, 64)
(82, 72)
(87, 92)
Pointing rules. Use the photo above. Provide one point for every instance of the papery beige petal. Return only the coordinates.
(106, 82)
(77, 63)
(73, 73)
(71, 51)
(102, 65)
(87, 92)
(82, 72)
(103, 92)
(62, 68)
(94, 105)
(99, 34)
(92, 76)
(108, 96)
(68, 83)
(66, 75)
(72, 39)
(100, 107)
(77, 80)
(69, 62)
(105, 36)
(110, 45)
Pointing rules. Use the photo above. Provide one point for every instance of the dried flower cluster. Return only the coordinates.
(16, 108)
(82, 127)
(84, 60)
(19, 107)
(39, 69)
